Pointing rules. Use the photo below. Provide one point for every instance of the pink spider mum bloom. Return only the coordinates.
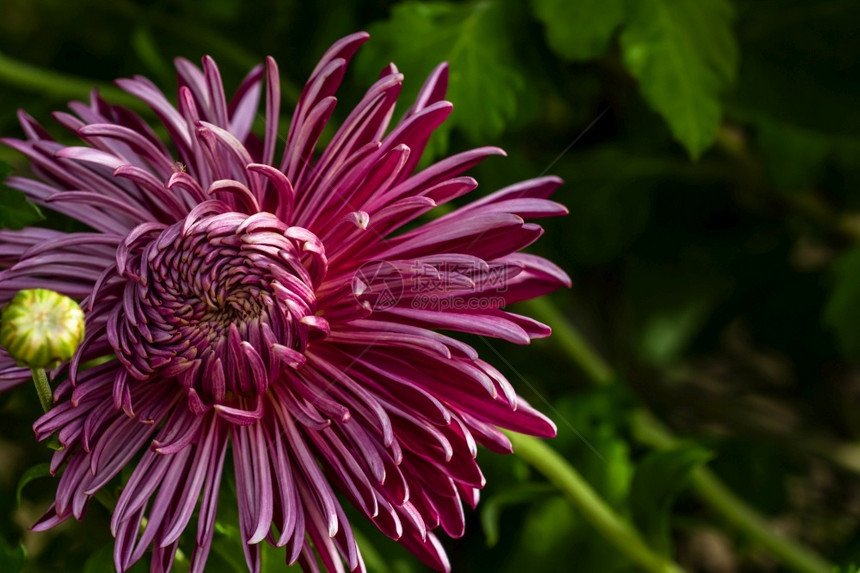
(233, 295)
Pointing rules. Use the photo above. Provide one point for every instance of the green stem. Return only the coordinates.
(733, 509)
(617, 531)
(43, 388)
(650, 431)
(745, 519)
(32, 78)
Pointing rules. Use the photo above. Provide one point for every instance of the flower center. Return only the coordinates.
(221, 301)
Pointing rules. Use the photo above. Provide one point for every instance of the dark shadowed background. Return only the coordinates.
(710, 151)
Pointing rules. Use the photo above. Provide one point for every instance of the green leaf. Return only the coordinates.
(659, 479)
(590, 434)
(227, 542)
(101, 560)
(34, 473)
(227, 546)
(273, 559)
(374, 561)
(17, 212)
(474, 38)
(553, 536)
(146, 48)
(580, 30)
(684, 54)
(12, 558)
(842, 312)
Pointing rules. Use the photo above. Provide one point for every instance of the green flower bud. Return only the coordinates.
(40, 328)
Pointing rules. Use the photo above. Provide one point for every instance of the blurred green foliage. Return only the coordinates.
(710, 150)
(17, 212)
(660, 477)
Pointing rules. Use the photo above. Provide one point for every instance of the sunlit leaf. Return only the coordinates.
(474, 39)
(684, 55)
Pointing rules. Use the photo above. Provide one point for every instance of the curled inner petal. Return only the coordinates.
(215, 301)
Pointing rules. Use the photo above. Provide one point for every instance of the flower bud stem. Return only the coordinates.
(43, 388)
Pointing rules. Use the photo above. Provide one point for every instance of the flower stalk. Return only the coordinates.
(727, 504)
(615, 529)
(648, 430)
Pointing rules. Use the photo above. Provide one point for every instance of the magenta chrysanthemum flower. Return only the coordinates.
(270, 312)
